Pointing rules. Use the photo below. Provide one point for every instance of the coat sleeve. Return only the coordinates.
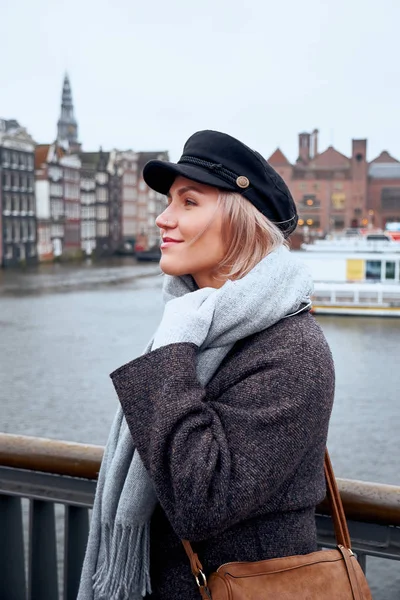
(216, 461)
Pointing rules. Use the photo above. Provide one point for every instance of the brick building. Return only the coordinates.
(18, 227)
(333, 191)
(384, 190)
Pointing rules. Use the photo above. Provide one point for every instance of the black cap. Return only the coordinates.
(219, 160)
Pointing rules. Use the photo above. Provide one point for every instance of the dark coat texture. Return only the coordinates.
(238, 465)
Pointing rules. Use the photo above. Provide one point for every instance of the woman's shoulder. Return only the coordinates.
(298, 340)
(301, 331)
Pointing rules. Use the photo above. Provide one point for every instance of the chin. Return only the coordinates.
(169, 267)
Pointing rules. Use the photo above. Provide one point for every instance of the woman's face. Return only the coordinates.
(192, 210)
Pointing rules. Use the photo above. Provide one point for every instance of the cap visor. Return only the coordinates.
(160, 175)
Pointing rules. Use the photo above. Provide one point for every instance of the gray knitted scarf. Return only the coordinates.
(116, 565)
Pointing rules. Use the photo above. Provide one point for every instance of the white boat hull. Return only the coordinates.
(360, 311)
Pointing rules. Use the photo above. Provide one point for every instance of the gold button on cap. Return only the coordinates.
(242, 181)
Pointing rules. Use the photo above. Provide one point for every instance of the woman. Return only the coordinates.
(223, 423)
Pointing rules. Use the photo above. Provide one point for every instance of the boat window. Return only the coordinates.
(373, 269)
(390, 270)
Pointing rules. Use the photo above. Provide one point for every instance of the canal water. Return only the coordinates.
(64, 328)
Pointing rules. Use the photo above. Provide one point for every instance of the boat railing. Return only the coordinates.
(47, 489)
(375, 294)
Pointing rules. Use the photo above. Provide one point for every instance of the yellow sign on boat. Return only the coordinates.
(354, 269)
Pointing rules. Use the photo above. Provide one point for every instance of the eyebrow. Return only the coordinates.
(187, 188)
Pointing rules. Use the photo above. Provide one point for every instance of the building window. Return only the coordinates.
(142, 186)
(17, 231)
(55, 173)
(390, 270)
(24, 203)
(56, 189)
(6, 180)
(310, 201)
(57, 209)
(7, 202)
(102, 229)
(14, 157)
(102, 194)
(31, 204)
(72, 210)
(15, 180)
(338, 200)
(309, 221)
(129, 179)
(9, 231)
(101, 178)
(390, 199)
(337, 223)
(72, 191)
(373, 270)
(129, 209)
(57, 231)
(15, 203)
(129, 193)
(32, 230)
(24, 228)
(102, 213)
(5, 158)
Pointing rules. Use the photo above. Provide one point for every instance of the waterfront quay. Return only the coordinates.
(64, 328)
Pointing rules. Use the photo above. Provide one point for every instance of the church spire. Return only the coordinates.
(67, 127)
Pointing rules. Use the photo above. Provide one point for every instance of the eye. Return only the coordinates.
(190, 202)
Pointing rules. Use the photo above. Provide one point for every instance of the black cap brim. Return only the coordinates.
(160, 175)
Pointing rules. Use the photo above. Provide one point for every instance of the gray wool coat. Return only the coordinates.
(237, 466)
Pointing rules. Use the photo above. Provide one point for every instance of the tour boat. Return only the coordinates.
(355, 275)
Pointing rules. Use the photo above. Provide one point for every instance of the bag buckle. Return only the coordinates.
(204, 578)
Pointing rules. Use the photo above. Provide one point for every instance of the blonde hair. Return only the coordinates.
(247, 235)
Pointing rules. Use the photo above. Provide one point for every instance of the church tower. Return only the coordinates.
(67, 127)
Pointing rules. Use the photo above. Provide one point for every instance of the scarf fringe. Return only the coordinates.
(122, 576)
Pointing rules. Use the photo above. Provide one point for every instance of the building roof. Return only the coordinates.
(144, 157)
(42, 153)
(91, 160)
(384, 157)
(278, 159)
(389, 170)
(330, 159)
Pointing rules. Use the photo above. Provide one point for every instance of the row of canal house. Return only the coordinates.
(95, 203)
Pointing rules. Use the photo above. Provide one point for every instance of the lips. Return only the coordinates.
(167, 242)
(168, 239)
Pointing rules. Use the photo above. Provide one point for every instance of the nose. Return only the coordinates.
(165, 220)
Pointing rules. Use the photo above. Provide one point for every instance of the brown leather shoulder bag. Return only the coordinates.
(323, 575)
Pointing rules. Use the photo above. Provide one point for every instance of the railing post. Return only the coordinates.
(43, 577)
(12, 559)
(362, 559)
(75, 539)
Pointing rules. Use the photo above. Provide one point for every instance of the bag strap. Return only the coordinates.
(338, 518)
(336, 506)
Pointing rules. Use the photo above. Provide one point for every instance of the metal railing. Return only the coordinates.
(42, 547)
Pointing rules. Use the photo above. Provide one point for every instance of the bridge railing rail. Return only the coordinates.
(47, 489)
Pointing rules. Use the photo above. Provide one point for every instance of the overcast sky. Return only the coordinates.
(146, 75)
